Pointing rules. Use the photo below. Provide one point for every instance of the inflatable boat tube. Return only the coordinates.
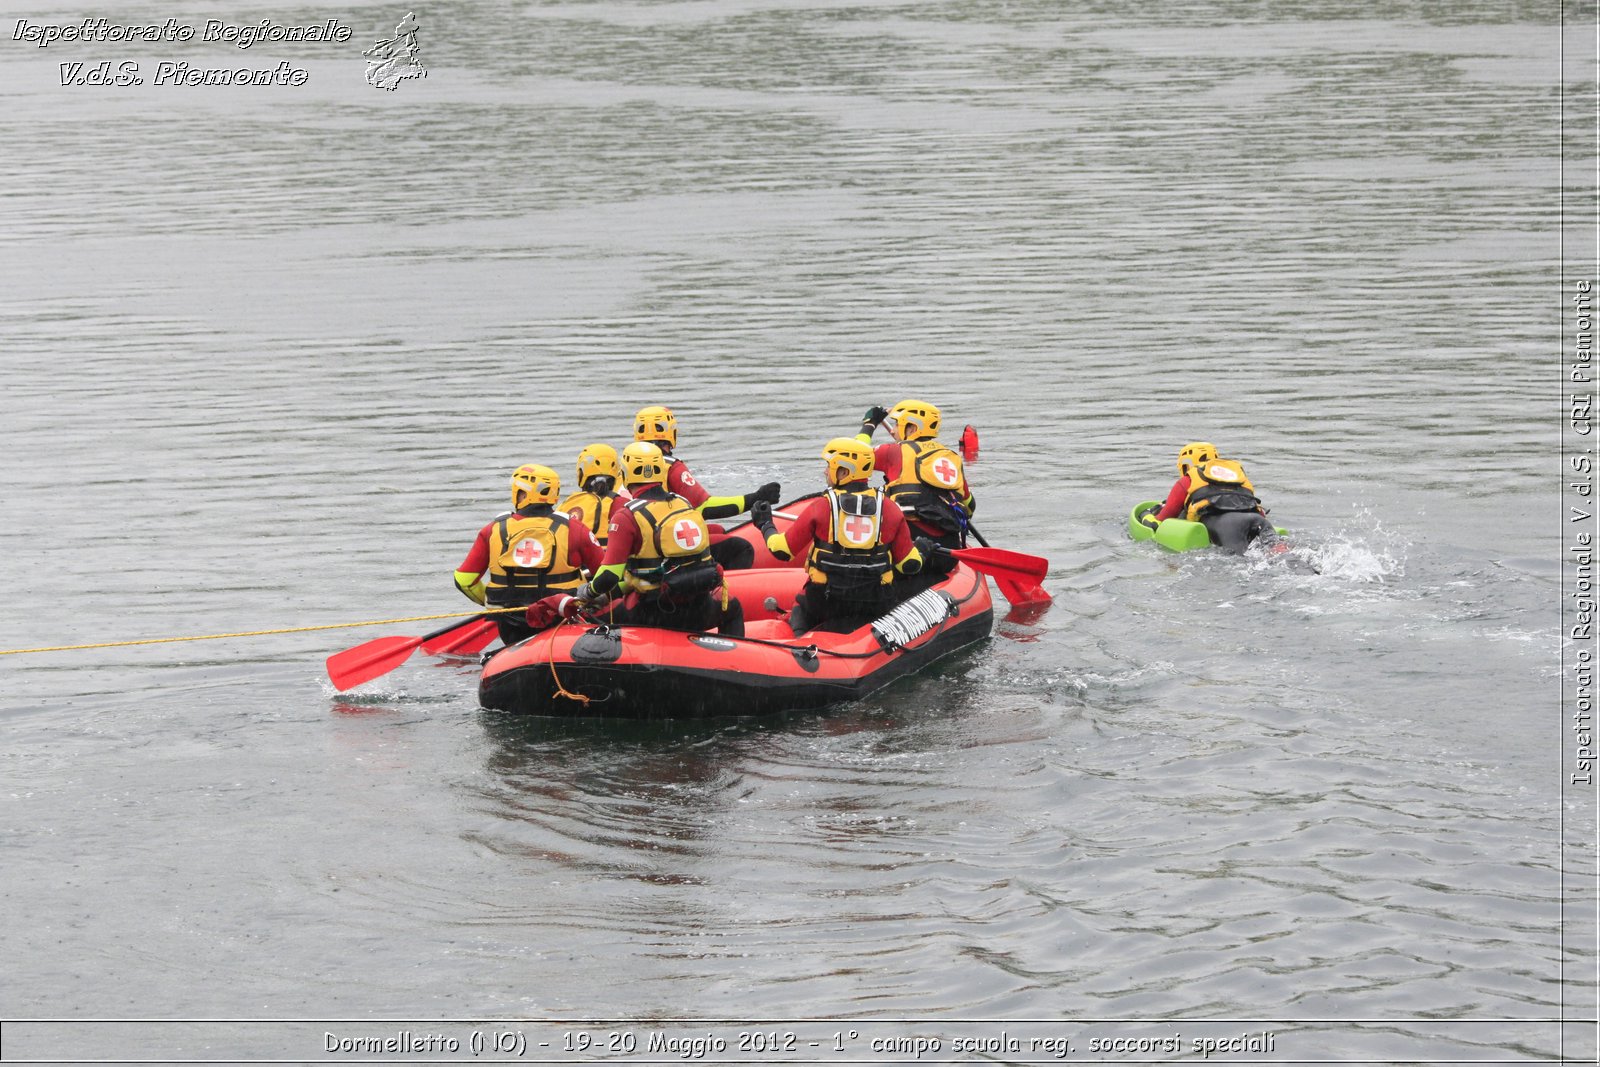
(642, 672)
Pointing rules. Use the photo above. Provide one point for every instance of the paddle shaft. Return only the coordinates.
(470, 637)
(441, 631)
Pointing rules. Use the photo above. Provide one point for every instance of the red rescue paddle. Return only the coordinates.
(969, 445)
(1016, 573)
(365, 662)
(463, 641)
(1004, 565)
(1024, 594)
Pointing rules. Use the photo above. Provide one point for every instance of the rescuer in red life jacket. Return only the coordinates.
(657, 560)
(923, 476)
(858, 540)
(527, 553)
(659, 426)
(1216, 493)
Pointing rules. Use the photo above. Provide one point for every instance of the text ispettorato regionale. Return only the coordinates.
(243, 35)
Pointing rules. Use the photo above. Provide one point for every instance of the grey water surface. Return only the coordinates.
(270, 353)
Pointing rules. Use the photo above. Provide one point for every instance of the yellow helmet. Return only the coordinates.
(643, 462)
(848, 460)
(1195, 453)
(533, 484)
(597, 459)
(913, 420)
(656, 424)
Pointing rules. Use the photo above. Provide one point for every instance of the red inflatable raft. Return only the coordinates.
(582, 669)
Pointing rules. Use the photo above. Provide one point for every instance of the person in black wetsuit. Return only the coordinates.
(1216, 493)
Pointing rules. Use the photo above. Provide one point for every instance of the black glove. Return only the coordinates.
(761, 515)
(768, 493)
(873, 418)
(925, 547)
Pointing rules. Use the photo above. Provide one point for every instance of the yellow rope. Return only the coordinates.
(561, 690)
(607, 604)
(255, 633)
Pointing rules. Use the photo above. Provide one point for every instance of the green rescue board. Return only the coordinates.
(1178, 535)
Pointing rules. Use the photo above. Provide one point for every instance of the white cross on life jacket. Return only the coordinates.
(686, 534)
(945, 471)
(528, 552)
(857, 527)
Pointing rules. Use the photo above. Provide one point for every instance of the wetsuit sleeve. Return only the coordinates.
(585, 549)
(469, 577)
(477, 560)
(803, 531)
(720, 507)
(622, 538)
(886, 461)
(1175, 498)
(681, 482)
(896, 533)
(684, 484)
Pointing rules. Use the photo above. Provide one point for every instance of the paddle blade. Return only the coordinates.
(363, 663)
(1024, 594)
(999, 563)
(1028, 604)
(969, 444)
(471, 637)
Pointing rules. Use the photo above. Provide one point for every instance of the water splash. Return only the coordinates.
(1366, 553)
